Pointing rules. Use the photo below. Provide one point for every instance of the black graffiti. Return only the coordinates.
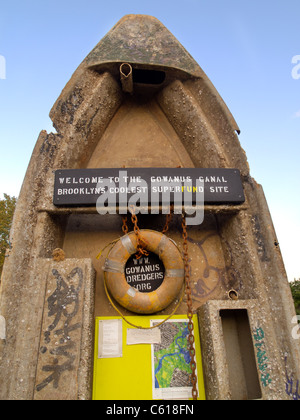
(64, 302)
(56, 368)
(63, 305)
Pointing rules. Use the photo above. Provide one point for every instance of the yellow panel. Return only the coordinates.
(130, 377)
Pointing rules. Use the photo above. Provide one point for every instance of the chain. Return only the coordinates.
(190, 314)
(168, 219)
(124, 226)
(141, 246)
(142, 251)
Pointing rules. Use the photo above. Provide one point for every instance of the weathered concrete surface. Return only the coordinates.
(215, 360)
(182, 122)
(219, 147)
(147, 42)
(64, 366)
(53, 334)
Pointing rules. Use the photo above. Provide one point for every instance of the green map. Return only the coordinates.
(171, 357)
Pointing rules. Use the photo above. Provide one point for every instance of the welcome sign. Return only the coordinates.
(83, 187)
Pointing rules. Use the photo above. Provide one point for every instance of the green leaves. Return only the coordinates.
(295, 288)
(7, 208)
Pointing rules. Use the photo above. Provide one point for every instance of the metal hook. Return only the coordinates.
(126, 77)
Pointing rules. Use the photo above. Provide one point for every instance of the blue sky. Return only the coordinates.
(245, 47)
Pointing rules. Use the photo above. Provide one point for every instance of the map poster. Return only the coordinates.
(171, 362)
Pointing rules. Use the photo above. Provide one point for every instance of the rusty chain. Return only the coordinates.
(142, 251)
(124, 226)
(190, 314)
(141, 246)
(168, 220)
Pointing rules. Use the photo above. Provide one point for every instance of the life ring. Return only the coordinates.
(129, 297)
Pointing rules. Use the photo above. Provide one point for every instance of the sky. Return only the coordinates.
(249, 49)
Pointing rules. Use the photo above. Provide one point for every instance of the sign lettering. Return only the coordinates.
(145, 274)
(85, 187)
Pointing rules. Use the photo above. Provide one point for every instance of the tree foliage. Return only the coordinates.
(7, 208)
(295, 287)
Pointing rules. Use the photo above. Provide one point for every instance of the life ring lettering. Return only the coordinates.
(132, 293)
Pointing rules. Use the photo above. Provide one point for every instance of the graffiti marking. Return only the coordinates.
(261, 354)
(63, 306)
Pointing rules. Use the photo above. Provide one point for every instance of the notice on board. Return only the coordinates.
(143, 336)
(110, 343)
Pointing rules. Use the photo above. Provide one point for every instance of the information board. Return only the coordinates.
(154, 364)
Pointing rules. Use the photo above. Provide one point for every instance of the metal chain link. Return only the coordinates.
(142, 251)
(141, 246)
(169, 218)
(124, 226)
(190, 314)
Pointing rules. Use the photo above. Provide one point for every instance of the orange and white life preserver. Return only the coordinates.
(129, 297)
